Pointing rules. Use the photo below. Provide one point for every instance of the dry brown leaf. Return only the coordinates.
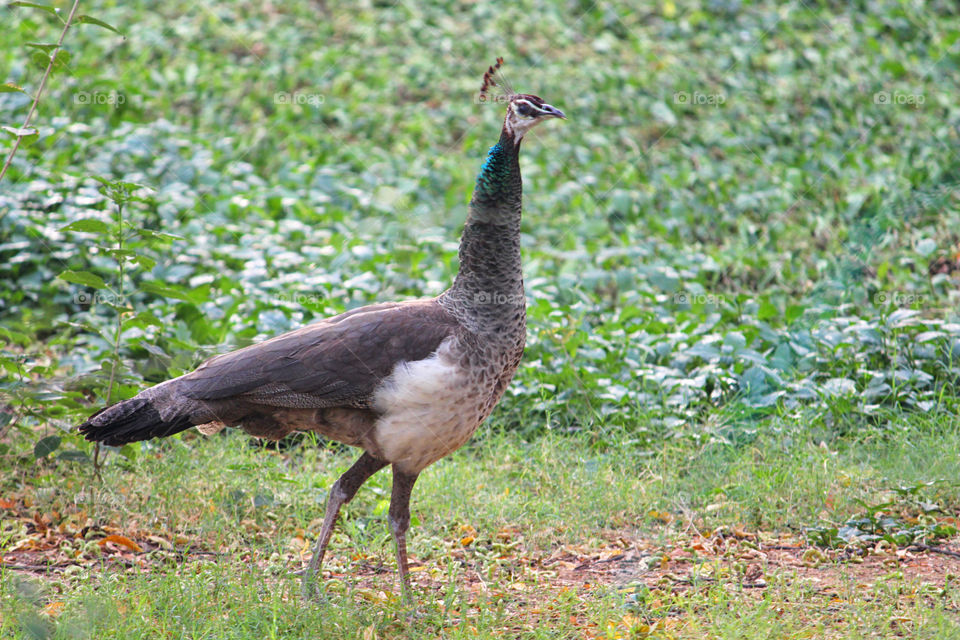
(740, 532)
(161, 542)
(123, 541)
(41, 522)
(662, 516)
(26, 544)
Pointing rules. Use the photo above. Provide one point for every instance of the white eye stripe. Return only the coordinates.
(531, 109)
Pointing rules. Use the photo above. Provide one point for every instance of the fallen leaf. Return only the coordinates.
(161, 542)
(662, 516)
(41, 522)
(122, 541)
(740, 532)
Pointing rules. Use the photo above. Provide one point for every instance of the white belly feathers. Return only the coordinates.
(427, 411)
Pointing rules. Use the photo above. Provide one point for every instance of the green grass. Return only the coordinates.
(247, 506)
(742, 267)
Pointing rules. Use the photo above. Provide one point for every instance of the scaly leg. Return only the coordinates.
(341, 493)
(399, 523)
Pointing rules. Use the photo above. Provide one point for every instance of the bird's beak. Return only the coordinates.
(553, 111)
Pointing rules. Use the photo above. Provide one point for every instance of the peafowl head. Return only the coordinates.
(524, 111)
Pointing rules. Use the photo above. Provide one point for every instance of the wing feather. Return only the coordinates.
(335, 362)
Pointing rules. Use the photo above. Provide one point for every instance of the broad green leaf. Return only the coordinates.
(735, 339)
(83, 277)
(60, 59)
(166, 290)
(87, 225)
(158, 235)
(793, 312)
(143, 319)
(46, 446)
(904, 318)
(9, 87)
(176, 292)
(145, 262)
(85, 19)
(15, 337)
(33, 5)
(767, 310)
(121, 192)
(45, 47)
(926, 247)
(154, 349)
(839, 387)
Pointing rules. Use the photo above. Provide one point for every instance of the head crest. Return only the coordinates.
(492, 78)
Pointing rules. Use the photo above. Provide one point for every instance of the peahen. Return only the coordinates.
(407, 382)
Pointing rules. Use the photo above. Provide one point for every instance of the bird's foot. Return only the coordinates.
(308, 583)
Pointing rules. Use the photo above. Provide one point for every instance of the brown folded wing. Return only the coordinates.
(336, 362)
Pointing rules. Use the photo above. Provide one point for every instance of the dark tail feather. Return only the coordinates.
(129, 421)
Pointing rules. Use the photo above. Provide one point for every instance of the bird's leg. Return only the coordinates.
(399, 519)
(341, 493)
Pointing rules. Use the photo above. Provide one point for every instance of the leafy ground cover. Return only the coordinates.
(742, 264)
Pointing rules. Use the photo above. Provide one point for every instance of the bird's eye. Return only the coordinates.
(524, 109)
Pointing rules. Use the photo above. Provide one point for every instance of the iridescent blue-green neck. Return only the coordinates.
(489, 284)
(498, 193)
